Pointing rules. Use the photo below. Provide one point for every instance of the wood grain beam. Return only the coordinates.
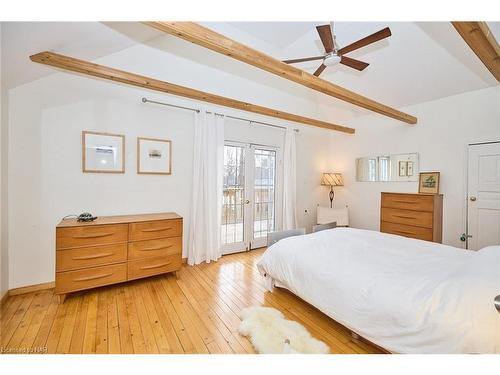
(101, 71)
(480, 39)
(214, 41)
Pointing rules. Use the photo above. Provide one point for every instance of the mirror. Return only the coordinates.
(397, 167)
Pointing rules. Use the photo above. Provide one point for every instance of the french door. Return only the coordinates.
(249, 197)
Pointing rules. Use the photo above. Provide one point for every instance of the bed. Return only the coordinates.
(405, 295)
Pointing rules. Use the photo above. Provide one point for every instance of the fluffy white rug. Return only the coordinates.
(271, 333)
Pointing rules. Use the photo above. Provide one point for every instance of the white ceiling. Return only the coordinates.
(85, 40)
(419, 62)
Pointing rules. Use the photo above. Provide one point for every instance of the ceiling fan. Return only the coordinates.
(334, 55)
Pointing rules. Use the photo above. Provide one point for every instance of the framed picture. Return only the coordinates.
(403, 168)
(103, 152)
(154, 156)
(429, 183)
(409, 168)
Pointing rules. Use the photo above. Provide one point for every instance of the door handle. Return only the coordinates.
(247, 201)
(464, 237)
(473, 199)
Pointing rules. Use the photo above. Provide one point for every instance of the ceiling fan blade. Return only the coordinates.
(319, 70)
(353, 63)
(304, 59)
(382, 34)
(325, 33)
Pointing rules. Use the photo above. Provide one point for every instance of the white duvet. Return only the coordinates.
(406, 295)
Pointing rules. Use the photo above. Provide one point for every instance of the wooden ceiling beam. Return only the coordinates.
(214, 41)
(480, 39)
(101, 71)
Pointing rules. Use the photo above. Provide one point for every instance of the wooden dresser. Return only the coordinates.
(412, 215)
(113, 249)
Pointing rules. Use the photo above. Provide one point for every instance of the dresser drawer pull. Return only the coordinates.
(155, 229)
(406, 202)
(93, 256)
(405, 217)
(403, 232)
(94, 277)
(155, 266)
(94, 235)
(155, 248)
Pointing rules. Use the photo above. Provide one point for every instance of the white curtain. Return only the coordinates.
(206, 199)
(289, 181)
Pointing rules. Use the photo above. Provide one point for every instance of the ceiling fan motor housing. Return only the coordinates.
(332, 59)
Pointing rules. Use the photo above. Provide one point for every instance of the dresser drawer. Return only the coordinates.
(71, 259)
(155, 229)
(91, 235)
(413, 202)
(407, 217)
(154, 248)
(153, 266)
(407, 231)
(70, 281)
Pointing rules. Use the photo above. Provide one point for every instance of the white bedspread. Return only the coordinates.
(406, 295)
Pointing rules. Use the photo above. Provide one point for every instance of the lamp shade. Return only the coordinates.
(332, 179)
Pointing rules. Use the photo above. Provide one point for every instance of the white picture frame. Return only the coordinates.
(103, 152)
(154, 156)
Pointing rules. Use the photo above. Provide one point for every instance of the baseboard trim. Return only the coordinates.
(31, 288)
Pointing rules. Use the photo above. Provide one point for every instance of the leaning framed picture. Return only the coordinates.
(103, 152)
(154, 156)
(429, 183)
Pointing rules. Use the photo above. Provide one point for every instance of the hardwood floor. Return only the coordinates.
(196, 313)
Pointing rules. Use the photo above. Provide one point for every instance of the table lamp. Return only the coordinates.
(332, 179)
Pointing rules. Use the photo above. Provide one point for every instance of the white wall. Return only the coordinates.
(444, 128)
(45, 124)
(4, 256)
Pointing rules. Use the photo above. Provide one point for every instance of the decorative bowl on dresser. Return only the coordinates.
(113, 249)
(417, 216)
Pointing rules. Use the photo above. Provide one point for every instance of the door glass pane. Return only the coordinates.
(264, 191)
(233, 197)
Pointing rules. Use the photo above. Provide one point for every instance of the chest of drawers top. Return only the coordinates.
(119, 219)
(117, 229)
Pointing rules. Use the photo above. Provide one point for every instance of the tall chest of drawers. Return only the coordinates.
(417, 216)
(113, 249)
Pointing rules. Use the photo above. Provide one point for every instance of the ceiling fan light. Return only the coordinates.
(333, 59)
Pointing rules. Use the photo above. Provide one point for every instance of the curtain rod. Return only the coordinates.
(146, 100)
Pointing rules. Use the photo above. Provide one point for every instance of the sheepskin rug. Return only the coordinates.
(271, 333)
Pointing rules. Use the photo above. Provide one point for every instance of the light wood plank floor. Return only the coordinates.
(197, 313)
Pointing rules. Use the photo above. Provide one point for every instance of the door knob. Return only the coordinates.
(247, 201)
(464, 237)
(473, 199)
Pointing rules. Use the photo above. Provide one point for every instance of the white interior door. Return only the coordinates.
(483, 195)
(249, 199)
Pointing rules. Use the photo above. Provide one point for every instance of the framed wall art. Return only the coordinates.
(429, 183)
(103, 152)
(154, 156)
